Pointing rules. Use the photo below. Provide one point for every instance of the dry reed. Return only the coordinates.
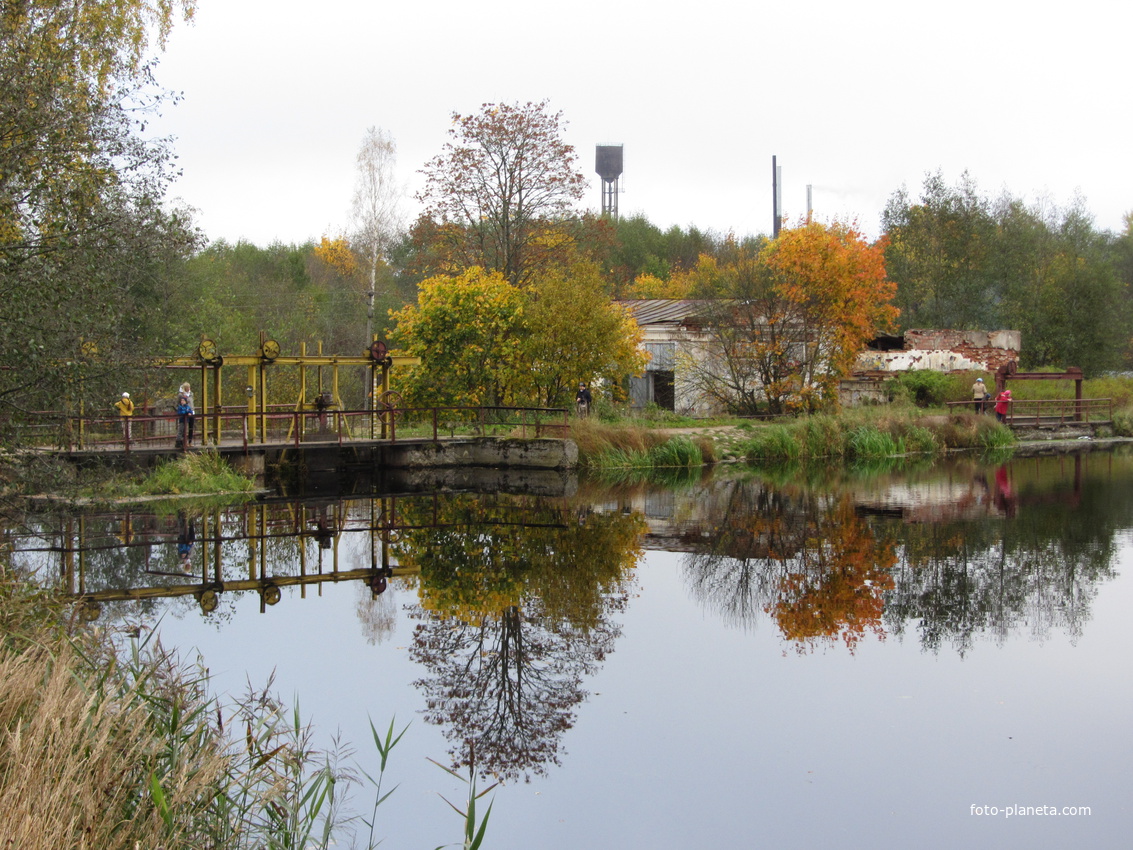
(82, 759)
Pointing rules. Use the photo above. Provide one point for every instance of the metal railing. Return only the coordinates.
(1049, 411)
(229, 427)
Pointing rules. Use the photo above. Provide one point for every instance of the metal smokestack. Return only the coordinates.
(775, 174)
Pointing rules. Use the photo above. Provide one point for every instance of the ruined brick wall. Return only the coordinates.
(994, 348)
(946, 351)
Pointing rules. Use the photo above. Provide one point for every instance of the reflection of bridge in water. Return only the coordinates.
(269, 533)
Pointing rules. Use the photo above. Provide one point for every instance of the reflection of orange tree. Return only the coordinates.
(516, 596)
(836, 584)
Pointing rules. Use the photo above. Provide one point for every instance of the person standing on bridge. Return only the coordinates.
(125, 410)
(1002, 405)
(979, 395)
(185, 416)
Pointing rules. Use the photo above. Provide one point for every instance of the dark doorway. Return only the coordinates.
(663, 395)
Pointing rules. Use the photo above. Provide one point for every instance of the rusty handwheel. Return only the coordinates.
(390, 406)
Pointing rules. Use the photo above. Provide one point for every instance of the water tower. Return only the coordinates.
(608, 164)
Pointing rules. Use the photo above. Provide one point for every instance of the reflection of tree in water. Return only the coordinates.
(737, 570)
(809, 562)
(377, 614)
(1041, 571)
(517, 598)
(509, 684)
(824, 572)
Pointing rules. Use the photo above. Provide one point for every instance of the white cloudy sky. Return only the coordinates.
(854, 98)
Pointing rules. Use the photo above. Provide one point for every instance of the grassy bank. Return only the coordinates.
(638, 446)
(850, 436)
(198, 474)
(872, 433)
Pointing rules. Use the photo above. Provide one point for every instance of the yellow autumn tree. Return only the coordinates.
(467, 330)
(781, 325)
(830, 296)
(336, 253)
(647, 285)
(575, 334)
(485, 342)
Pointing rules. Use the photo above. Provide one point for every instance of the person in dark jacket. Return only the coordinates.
(583, 399)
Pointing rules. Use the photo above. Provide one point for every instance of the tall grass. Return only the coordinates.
(868, 442)
(873, 433)
(775, 443)
(86, 761)
(602, 446)
(121, 747)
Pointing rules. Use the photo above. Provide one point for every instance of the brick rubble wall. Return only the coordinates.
(994, 348)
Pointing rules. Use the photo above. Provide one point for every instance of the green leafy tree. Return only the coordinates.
(960, 261)
(468, 332)
(575, 334)
(1061, 288)
(85, 240)
(937, 252)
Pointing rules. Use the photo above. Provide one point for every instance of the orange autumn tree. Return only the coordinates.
(780, 324)
(828, 296)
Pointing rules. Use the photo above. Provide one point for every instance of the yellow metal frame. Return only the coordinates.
(258, 366)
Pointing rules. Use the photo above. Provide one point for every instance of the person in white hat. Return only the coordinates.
(125, 410)
(979, 395)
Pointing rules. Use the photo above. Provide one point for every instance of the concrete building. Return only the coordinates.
(675, 329)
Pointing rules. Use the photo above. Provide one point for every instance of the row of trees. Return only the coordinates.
(96, 268)
(516, 304)
(962, 260)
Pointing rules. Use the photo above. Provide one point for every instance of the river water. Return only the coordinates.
(933, 657)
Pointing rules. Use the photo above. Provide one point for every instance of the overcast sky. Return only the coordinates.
(854, 98)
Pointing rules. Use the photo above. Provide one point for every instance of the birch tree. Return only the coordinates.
(375, 209)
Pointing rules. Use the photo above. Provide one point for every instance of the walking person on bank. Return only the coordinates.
(979, 395)
(583, 399)
(185, 416)
(125, 411)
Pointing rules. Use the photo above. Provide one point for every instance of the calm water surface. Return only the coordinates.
(876, 660)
